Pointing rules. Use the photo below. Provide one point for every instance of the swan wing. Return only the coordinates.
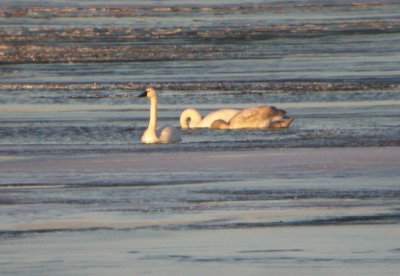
(254, 117)
(168, 134)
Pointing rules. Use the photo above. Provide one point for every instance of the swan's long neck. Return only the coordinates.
(153, 114)
(191, 115)
(149, 135)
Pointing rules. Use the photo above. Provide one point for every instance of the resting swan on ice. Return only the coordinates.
(259, 117)
(167, 134)
(191, 118)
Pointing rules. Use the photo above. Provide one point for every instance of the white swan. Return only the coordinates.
(164, 135)
(191, 118)
(259, 117)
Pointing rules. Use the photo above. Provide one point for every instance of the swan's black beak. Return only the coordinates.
(144, 94)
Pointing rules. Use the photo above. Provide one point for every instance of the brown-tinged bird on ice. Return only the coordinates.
(260, 117)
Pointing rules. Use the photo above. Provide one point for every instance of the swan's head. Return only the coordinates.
(219, 124)
(150, 92)
(185, 122)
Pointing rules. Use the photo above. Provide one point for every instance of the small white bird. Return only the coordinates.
(191, 118)
(259, 117)
(166, 134)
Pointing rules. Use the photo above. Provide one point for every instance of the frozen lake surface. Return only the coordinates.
(79, 193)
(313, 211)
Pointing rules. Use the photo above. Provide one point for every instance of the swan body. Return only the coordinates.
(191, 118)
(167, 134)
(259, 117)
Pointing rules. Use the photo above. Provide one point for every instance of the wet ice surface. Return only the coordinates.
(274, 250)
(239, 211)
(276, 210)
(100, 128)
(79, 194)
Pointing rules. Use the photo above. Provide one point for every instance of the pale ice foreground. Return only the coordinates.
(278, 211)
